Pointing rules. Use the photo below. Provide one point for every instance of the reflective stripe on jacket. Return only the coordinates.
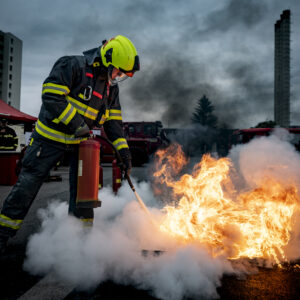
(8, 139)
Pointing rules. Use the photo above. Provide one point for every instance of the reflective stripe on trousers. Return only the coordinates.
(39, 158)
(10, 223)
(120, 143)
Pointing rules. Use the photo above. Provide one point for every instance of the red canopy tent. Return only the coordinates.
(9, 159)
(10, 113)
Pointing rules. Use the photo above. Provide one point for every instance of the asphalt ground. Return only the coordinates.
(267, 283)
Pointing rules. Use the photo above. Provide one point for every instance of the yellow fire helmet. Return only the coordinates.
(120, 53)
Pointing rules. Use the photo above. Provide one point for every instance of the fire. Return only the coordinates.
(254, 224)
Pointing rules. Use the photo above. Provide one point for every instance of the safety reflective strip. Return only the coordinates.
(114, 114)
(83, 109)
(97, 94)
(104, 117)
(15, 137)
(118, 181)
(55, 89)
(87, 222)
(80, 107)
(91, 113)
(8, 135)
(67, 115)
(31, 141)
(11, 223)
(120, 143)
(55, 135)
(96, 64)
(81, 96)
(7, 148)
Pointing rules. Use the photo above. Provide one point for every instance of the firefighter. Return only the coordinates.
(80, 92)
(8, 137)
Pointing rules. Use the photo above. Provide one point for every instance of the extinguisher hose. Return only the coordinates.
(127, 177)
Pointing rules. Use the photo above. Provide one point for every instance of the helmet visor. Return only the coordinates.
(136, 67)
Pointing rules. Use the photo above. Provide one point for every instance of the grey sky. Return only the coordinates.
(224, 49)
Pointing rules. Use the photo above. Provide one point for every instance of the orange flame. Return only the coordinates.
(254, 224)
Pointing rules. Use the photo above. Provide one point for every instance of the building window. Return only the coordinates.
(11, 59)
(1, 56)
(10, 68)
(11, 49)
(9, 102)
(10, 77)
(9, 95)
(12, 41)
(9, 85)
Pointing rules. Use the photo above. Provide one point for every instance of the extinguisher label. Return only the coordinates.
(80, 168)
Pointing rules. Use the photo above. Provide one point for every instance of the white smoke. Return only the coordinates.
(271, 156)
(112, 248)
(276, 157)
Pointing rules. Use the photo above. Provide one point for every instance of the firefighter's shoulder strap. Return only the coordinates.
(87, 71)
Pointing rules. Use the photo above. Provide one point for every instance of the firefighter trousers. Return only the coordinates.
(39, 158)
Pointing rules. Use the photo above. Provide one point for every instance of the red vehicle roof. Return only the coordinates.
(10, 113)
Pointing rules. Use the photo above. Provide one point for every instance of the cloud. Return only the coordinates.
(236, 13)
(186, 50)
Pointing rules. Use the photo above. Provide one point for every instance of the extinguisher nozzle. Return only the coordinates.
(130, 182)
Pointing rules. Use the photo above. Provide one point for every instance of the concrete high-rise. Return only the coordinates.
(10, 69)
(282, 70)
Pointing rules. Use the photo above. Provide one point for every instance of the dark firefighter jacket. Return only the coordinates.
(8, 139)
(77, 91)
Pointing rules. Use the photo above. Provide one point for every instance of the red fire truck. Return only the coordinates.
(143, 138)
(243, 136)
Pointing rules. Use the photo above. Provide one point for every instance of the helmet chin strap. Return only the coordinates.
(112, 82)
(118, 75)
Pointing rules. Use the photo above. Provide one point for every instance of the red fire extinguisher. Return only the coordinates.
(117, 176)
(100, 177)
(88, 174)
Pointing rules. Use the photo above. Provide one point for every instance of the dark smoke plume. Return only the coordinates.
(176, 77)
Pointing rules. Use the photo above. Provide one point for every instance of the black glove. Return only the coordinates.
(126, 165)
(82, 131)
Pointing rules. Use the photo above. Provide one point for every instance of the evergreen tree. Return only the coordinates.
(204, 113)
(266, 124)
